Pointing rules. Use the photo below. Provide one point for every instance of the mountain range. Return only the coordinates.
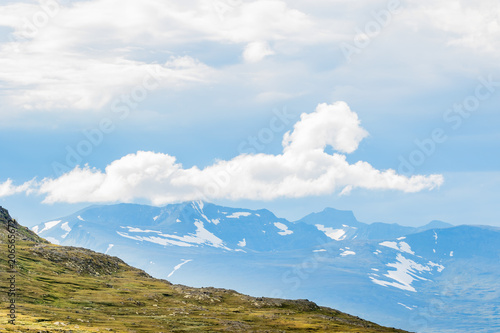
(74, 290)
(435, 278)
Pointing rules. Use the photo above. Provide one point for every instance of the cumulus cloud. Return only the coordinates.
(333, 125)
(7, 188)
(303, 169)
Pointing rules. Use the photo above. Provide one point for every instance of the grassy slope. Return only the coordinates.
(67, 289)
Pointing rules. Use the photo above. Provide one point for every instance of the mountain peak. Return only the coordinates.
(435, 224)
(333, 217)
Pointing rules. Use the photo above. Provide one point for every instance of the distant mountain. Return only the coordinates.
(68, 289)
(435, 224)
(342, 224)
(383, 272)
(193, 224)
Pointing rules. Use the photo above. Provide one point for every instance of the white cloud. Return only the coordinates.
(7, 188)
(256, 51)
(88, 52)
(71, 82)
(333, 125)
(303, 169)
(81, 55)
(471, 24)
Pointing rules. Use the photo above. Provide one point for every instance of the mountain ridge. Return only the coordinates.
(377, 271)
(68, 289)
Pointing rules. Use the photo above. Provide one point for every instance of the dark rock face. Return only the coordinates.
(22, 233)
(4, 215)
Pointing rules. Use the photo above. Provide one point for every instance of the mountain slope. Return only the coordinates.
(68, 289)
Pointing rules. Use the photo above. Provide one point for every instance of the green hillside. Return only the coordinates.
(67, 289)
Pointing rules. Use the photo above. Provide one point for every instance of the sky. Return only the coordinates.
(386, 108)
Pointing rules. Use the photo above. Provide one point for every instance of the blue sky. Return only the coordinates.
(386, 108)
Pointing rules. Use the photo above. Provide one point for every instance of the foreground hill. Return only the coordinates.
(69, 289)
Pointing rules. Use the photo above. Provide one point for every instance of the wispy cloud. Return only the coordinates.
(470, 24)
(303, 169)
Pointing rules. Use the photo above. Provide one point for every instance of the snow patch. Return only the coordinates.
(404, 274)
(284, 229)
(242, 243)
(402, 247)
(200, 204)
(401, 238)
(178, 221)
(215, 221)
(156, 240)
(110, 246)
(321, 250)
(201, 236)
(451, 254)
(237, 215)
(405, 247)
(199, 208)
(184, 261)
(156, 217)
(347, 253)
(80, 218)
(336, 234)
(206, 236)
(35, 229)
(52, 240)
(439, 267)
(392, 245)
(66, 228)
(49, 225)
(405, 306)
(132, 229)
(435, 237)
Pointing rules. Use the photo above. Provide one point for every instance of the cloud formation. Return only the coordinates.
(470, 24)
(74, 56)
(80, 56)
(7, 188)
(303, 169)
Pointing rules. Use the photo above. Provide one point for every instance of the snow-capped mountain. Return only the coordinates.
(425, 279)
(193, 224)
